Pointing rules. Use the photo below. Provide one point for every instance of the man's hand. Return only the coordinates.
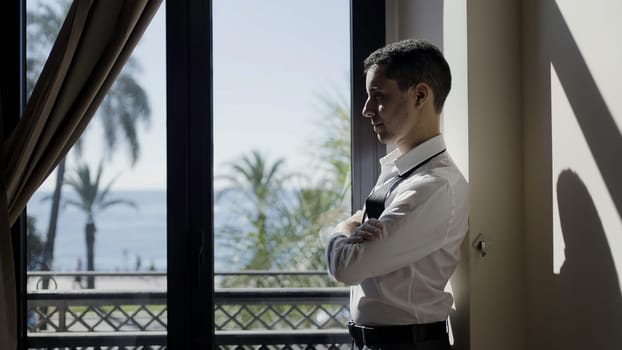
(357, 232)
(349, 225)
(368, 231)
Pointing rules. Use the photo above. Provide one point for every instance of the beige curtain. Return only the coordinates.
(94, 42)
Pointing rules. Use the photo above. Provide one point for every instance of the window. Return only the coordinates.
(193, 54)
(281, 119)
(188, 302)
(98, 223)
(281, 131)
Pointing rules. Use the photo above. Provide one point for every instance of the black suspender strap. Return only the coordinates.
(374, 204)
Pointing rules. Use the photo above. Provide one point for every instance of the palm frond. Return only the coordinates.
(91, 196)
(125, 107)
(103, 194)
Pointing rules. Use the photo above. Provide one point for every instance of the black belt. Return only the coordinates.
(402, 334)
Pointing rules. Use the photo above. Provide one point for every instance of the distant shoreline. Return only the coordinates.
(126, 239)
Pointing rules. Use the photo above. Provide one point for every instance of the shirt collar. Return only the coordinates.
(412, 158)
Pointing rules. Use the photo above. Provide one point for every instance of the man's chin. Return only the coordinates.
(383, 139)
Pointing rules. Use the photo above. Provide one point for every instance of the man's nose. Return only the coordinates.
(368, 109)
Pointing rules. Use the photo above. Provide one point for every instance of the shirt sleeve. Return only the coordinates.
(415, 224)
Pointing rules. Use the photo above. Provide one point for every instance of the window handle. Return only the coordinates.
(200, 261)
(481, 245)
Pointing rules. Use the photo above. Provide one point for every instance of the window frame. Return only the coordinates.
(190, 246)
(367, 34)
(190, 156)
(12, 102)
(190, 271)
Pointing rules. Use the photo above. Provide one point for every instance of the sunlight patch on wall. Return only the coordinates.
(596, 28)
(455, 113)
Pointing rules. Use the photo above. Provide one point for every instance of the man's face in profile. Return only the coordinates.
(387, 107)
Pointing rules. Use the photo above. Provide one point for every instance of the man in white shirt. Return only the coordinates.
(399, 254)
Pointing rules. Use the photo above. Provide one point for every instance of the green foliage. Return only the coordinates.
(287, 211)
(323, 200)
(34, 246)
(257, 184)
(126, 105)
(333, 148)
(124, 108)
(43, 24)
(315, 209)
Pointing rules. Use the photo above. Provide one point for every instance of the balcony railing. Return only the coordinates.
(245, 318)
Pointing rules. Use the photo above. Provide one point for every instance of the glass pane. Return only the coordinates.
(107, 239)
(281, 161)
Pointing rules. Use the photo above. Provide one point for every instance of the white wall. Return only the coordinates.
(497, 281)
(445, 26)
(573, 114)
(542, 83)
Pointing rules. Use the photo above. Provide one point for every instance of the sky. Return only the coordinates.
(272, 60)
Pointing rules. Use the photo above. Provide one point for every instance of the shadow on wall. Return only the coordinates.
(589, 107)
(585, 301)
(587, 312)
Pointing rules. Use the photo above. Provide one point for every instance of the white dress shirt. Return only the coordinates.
(400, 278)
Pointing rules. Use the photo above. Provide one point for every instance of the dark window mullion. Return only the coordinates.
(12, 102)
(367, 28)
(189, 130)
(189, 166)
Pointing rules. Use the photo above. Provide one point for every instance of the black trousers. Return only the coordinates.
(437, 344)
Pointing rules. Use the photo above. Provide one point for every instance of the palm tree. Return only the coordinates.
(258, 183)
(43, 25)
(34, 245)
(297, 213)
(314, 209)
(92, 199)
(124, 108)
(334, 147)
(322, 201)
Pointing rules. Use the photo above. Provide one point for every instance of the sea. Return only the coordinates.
(127, 238)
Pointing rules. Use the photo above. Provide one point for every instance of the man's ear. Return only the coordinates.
(421, 93)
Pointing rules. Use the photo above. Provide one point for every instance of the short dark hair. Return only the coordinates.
(410, 62)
